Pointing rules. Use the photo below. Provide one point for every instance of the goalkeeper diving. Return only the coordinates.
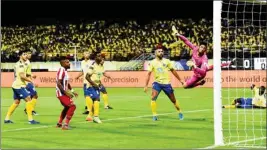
(258, 100)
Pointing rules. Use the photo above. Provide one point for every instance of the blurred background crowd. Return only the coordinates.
(120, 40)
(124, 39)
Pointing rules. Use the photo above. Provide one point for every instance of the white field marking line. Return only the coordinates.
(123, 118)
(234, 143)
(260, 147)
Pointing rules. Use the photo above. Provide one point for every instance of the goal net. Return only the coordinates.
(243, 42)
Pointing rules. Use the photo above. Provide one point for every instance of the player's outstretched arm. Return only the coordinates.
(88, 78)
(79, 75)
(147, 80)
(183, 38)
(177, 76)
(187, 42)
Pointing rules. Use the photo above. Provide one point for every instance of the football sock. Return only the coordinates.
(105, 98)
(176, 104)
(89, 103)
(11, 110)
(96, 108)
(29, 109)
(154, 107)
(63, 115)
(33, 102)
(70, 113)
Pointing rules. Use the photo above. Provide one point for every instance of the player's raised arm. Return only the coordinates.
(183, 38)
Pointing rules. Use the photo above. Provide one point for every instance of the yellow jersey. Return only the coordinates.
(20, 67)
(258, 100)
(161, 69)
(96, 71)
(85, 64)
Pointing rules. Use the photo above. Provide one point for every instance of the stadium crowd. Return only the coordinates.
(120, 40)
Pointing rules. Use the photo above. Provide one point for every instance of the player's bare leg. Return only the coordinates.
(224, 64)
(176, 105)
(10, 111)
(193, 82)
(154, 96)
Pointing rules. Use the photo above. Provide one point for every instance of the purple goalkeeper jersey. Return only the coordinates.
(200, 61)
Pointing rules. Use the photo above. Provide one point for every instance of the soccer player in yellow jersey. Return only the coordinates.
(161, 67)
(30, 87)
(19, 89)
(85, 64)
(102, 88)
(94, 75)
(258, 100)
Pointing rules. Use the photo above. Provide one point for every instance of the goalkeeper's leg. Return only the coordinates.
(193, 82)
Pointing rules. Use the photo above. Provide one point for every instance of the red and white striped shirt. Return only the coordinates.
(62, 74)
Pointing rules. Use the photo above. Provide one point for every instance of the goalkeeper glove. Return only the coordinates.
(174, 31)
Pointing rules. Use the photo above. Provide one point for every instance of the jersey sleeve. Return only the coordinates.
(150, 66)
(169, 64)
(61, 74)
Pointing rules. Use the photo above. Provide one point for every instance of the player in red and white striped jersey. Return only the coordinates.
(65, 94)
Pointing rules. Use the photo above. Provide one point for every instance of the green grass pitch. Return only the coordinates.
(129, 124)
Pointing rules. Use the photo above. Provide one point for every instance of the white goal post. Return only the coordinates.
(217, 97)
